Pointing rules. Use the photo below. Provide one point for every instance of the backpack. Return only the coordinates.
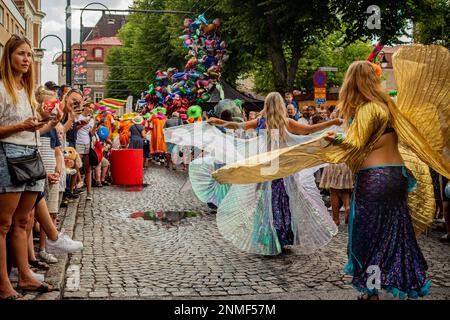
(95, 153)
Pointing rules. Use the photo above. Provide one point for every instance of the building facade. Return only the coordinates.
(97, 42)
(22, 18)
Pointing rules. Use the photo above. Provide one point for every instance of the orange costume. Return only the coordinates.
(157, 144)
(125, 126)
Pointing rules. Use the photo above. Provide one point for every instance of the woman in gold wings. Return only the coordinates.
(389, 147)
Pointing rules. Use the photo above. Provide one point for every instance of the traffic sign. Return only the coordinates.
(319, 79)
(320, 101)
(320, 93)
(320, 90)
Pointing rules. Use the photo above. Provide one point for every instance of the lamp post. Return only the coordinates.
(69, 43)
(110, 21)
(40, 50)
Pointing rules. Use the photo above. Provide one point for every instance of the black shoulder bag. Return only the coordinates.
(27, 169)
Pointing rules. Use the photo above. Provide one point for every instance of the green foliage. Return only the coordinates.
(280, 42)
(323, 53)
(431, 25)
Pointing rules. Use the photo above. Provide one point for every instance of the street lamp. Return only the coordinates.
(40, 51)
(110, 21)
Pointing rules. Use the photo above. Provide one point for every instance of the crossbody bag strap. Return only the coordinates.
(35, 132)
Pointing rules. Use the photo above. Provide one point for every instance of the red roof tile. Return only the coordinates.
(110, 41)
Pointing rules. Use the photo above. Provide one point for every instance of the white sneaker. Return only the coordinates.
(47, 257)
(14, 275)
(64, 244)
(89, 196)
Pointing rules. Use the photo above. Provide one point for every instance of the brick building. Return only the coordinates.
(22, 17)
(97, 42)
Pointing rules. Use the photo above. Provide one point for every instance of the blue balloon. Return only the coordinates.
(103, 133)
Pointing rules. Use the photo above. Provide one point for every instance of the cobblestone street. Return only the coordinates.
(127, 258)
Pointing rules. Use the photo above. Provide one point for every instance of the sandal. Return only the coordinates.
(43, 288)
(39, 264)
(14, 297)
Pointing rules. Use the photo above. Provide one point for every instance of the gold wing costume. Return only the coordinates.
(421, 121)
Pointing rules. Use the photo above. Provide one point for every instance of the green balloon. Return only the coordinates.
(194, 112)
(200, 67)
(205, 97)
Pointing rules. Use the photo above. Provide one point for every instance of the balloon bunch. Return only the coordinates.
(176, 90)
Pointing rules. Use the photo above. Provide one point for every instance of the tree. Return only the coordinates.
(147, 47)
(323, 53)
(431, 24)
(281, 31)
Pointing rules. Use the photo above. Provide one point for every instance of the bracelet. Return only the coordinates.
(338, 140)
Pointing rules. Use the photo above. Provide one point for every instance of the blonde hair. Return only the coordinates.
(275, 114)
(7, 71)
(41, 94)
(361, 85)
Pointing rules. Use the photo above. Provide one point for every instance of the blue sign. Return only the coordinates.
(320, 101)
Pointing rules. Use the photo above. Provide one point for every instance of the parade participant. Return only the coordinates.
(158, 147)
(263, 218)
(136, 133)
(391, 157)
(19, 137)
(124, 128)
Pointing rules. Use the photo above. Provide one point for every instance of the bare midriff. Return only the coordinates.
(385, 152)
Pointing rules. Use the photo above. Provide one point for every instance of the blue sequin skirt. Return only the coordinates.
(383, 251)
(281, 213)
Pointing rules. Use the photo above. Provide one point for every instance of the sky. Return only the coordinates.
(54, 23)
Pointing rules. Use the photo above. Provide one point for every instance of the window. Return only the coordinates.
(2, 15)
(98, 75)
(98, 96)
(98, 53)
(7, 22)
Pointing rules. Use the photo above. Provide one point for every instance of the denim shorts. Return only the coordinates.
(13, 151)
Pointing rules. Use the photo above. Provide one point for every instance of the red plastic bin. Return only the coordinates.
(127, 167)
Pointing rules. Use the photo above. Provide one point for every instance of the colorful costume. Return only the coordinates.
(123, 131)
(157, 144)
(383, 216)
(257, 218)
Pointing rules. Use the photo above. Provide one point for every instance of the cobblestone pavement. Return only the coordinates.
(127, 258)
